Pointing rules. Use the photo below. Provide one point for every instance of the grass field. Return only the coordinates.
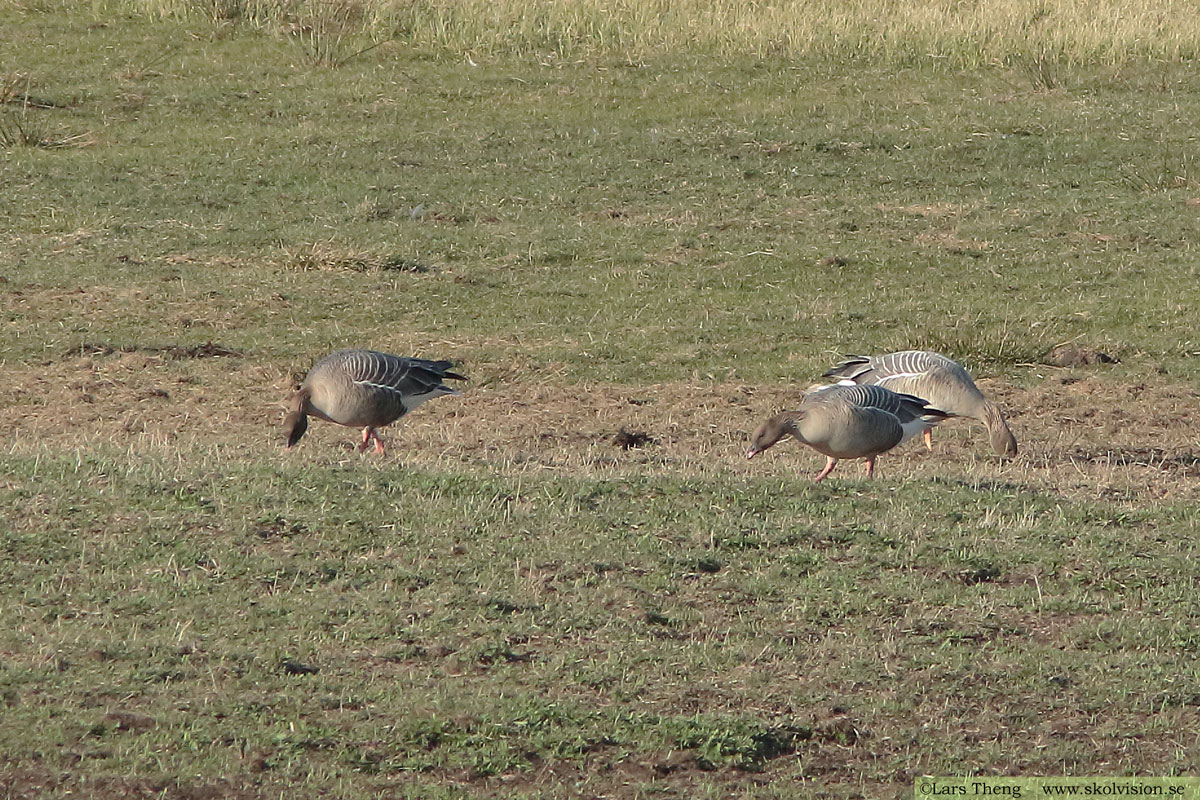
(509, 604)
(948, 32)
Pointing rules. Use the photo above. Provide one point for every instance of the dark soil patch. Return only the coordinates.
(207, 350)
(628, 440)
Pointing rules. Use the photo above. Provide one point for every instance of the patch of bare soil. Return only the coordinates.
(1078, 435)
(166, 396)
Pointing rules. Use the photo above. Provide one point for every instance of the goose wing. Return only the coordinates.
(396, 375)
(890, 368)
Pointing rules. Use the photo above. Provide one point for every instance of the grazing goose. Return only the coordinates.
(943, 382)
(847, 422)
(367, 389)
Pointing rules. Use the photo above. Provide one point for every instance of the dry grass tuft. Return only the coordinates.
(331, 32)
(29, 124)
(1043, 69)
(328, 257)
(22, 130)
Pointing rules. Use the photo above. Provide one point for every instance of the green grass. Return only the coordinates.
(509, 605)
(688, 202)
(468, 626)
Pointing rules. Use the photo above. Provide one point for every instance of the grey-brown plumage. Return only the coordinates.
(846, 422)
(915, 415)
(941, 381)
(365, 389)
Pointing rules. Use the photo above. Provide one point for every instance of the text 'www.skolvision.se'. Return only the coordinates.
(1084, 787)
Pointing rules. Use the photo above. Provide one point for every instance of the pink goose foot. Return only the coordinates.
(830, 462)
(370, 435)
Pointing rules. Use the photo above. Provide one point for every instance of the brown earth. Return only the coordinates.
(1080, 434)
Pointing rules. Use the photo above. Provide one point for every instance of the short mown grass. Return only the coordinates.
(718, 214)
(378, 628)
(510, 604)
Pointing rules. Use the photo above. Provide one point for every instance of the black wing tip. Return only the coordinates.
(922, 404)
(441, 368)
(441, 371)
(910, 398)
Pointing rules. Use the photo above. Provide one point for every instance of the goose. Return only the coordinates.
(367, 389)
(944, 382)
(847, 422)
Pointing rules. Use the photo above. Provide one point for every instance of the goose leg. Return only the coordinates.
(871, 467)
(369, 434)
(829, 464)
(929, 439)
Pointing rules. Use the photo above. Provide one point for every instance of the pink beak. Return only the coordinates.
(752, 453)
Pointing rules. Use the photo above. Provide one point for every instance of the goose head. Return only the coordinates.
(772, 431)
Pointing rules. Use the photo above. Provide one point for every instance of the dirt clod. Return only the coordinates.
(840, 731)
(1069, 355)
(627, 439)
(293, 667)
